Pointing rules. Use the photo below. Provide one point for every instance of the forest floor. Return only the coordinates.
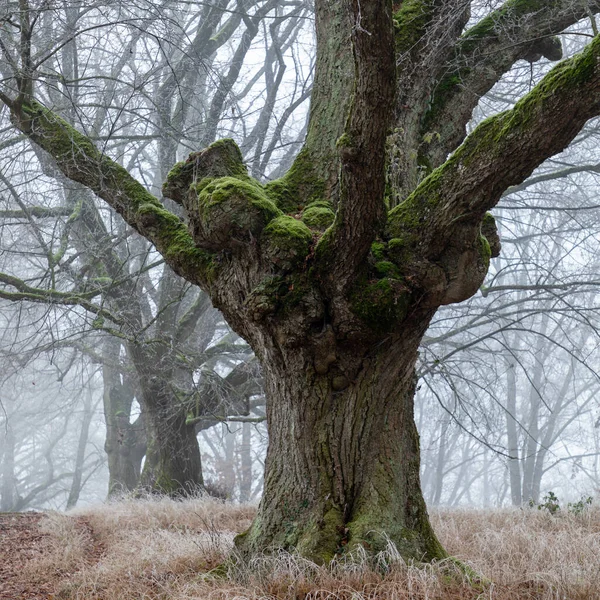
(165, 550)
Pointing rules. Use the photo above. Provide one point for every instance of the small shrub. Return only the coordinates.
(549, 503)
(579, 507)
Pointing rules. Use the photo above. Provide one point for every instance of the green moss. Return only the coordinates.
(381, 304)
(231, 158)
(322, 539)
(165, 484)
(485, 250)
(230, 209)
(470, 42)
(176, 171)
(223, 158)
(98, 323)
(198, 186)
(300, 186)
(406, 219)
(319, 204)
(493, 22)
(318, 217)
(410, 21)
(224, 188)
(491, 136)
(378, 250)
(385, 268)
(56, 136)
(172, 238)
(288, 233)
(488, 221)
(344, 141)
(287, 240)
(447, 87)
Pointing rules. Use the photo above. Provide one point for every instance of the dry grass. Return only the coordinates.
(163, 550)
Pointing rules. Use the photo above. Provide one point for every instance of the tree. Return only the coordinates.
(332, 273)
(98, 264)
(49, 447)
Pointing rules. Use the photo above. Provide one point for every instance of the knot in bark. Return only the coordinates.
(221, 159)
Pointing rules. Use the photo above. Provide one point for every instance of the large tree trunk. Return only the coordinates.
(342, 467)
(173, 463)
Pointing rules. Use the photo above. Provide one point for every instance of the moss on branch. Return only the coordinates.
(228, 212)
(222, 158)
(381, 304)
(318, 215)
(286, 241)
(81, 161)
(493, 146)
(299, 187)
(410, 21)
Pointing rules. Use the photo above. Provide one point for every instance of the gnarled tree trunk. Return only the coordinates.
(343, 462)
(173, 464)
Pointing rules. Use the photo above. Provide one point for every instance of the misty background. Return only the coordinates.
(507, 404)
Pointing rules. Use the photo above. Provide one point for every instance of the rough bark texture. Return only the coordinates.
(331, 275)
(343, 461)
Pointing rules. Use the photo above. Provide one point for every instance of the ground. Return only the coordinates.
(24, 544)
(165, 550)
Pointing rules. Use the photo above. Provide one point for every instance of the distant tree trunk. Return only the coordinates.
(125, 443)
(486, 479)
(441, 461)
(8, 487)
(514, 469)
(88, 414)
(246, 463)
(531, 445)
(173, 464)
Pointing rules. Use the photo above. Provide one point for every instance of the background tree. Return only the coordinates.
(98, 263)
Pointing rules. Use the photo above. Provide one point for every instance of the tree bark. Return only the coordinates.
(173, 464)
(342, 468)
(125, 443)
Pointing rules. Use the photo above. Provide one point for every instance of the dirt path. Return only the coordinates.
(20, 542)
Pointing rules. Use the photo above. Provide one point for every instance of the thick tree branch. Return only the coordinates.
(518, 30)
(502, 151)
(362, 179)
(78, 158)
